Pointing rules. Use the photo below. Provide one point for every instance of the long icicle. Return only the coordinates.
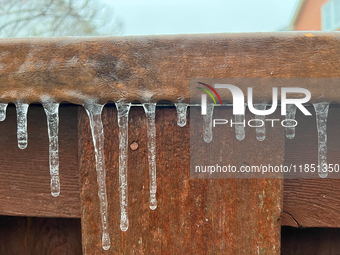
(321, 110)
(181, 114)
(94, 112)
(290, 114)
(261, 131)
(150, 111)
(3, 108)
(52, 113)
(22, 109)
(123, 124)
(207, 123)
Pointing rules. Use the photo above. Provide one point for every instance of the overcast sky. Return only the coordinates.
(144, 17)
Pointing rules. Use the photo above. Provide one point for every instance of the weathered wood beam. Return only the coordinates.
(153, 68)
(194, 216)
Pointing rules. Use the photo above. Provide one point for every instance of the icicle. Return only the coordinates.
(123, 118)
(3, 108)
(181, 114)
(290, 114)
(207, 124)
(321, 110)
(150, 111)
(51, 109)
(239, 128)
(22, 109)
(261, 131)
(94, 112)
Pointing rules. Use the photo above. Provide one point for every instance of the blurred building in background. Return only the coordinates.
(319, 15)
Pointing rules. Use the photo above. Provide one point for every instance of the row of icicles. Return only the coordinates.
(94, 112)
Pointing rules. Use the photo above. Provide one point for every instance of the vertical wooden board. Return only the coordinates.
(310, 241)
(13, 235)
(54, 236)
(194, 216)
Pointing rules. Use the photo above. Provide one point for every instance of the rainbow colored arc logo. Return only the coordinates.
(209, 93)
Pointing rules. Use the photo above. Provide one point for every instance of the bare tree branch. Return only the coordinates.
(24, 18)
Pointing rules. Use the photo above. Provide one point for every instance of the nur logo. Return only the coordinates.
(207, 91)
(238, 99)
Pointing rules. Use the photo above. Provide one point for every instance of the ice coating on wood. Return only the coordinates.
(123, 121)
(94, 112)
(321, 110)
(52, 113)
(181, 114)
(290, 114)
(22, 109)
(150, 111)
(3, 108)
(261, 131)
(207, 123)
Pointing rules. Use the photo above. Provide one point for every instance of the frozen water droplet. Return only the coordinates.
(150, 111)
(321, 110)
(123, 121)
(22, 109)
(207, 123)
(106, 243)
(3, 108)
(261, 131)
(52, 113)
(181, 114)
(55, 186)
(290, 114)
(94, 112)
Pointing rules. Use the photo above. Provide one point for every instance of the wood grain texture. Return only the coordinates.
(310, 241)
(312, 202)
(194, 216)
(24, 174)
(153, 68)
(26, 191)
(32, 236)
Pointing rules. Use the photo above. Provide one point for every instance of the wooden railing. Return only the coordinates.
(158, 68)
(231, 216)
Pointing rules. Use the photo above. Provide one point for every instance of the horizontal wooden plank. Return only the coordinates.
(312, 202)
(25, 178)
(24, 174)
(153, 68)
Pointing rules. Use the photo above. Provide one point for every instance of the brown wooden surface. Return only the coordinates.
(24, 174)
(156, 68)
(35, 236)
(194, 216)
(310, 241)
(160, 67)
(312, 202)
(26, 191)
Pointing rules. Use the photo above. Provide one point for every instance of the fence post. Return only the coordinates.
(194, 216)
